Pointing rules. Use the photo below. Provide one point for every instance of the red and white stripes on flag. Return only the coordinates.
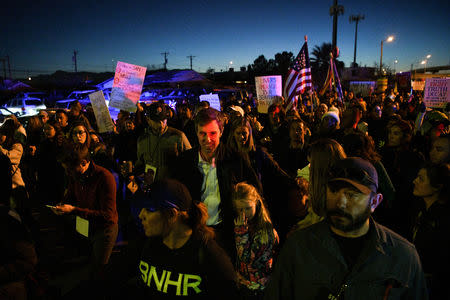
(299, 76)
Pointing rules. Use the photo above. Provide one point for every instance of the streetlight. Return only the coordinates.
(395, 64)
(424, 62)
(389, 39)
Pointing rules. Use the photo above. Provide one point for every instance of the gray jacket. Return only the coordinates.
(311, 266)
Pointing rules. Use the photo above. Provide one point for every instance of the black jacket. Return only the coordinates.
(232, 168)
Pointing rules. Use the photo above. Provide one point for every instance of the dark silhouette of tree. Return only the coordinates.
(283, 62)
(260, 66)
(320, 60)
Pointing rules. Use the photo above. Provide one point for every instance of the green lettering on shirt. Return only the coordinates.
(171, 282)
(143, 267)
(194, 284)
(158, 281)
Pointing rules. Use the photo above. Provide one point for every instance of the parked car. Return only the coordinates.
(22, 106)
(81, 96)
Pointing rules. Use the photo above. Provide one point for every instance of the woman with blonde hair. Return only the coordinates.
(255, 239)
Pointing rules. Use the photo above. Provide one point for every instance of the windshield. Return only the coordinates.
(33, 102)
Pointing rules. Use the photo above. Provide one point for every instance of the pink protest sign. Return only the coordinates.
(127, 86)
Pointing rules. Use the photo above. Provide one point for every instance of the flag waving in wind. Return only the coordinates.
(299, 76)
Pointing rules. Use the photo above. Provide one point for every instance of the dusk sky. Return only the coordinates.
(40, 36)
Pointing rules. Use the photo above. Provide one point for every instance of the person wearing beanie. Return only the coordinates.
(329, 125)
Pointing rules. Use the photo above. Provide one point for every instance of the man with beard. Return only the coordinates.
(348, 255)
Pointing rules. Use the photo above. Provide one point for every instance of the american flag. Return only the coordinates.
(299, 76)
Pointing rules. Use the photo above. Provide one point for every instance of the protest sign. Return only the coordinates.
(382, 84)
(436, 93)
(363, 88)
(418, 85)
(101, 112)
(267, 88)
(127, 86)
(213, 100)
(404, 81)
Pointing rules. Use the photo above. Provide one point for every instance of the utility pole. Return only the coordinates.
(165, 59)
(74, 59)
(190, 57)
(9, 66)
(335, 11)
(355, 19)
(4, 67)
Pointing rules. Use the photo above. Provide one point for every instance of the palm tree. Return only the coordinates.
(320, 61)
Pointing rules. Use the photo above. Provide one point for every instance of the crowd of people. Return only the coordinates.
(235, 203)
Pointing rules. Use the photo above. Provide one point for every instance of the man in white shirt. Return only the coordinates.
(210, 171)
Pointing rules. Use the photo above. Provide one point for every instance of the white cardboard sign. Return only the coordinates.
(267, 87)
(127, 86)
(213, 100)
(101, 112)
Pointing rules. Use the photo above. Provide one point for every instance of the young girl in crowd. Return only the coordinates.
(256, 240)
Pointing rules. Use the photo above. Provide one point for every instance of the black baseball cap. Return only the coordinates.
(168, 193)
(157, 111)
(358, 172)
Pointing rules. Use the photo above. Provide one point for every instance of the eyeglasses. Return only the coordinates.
(81, 132)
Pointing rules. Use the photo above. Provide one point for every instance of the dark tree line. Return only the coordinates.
(280, 64)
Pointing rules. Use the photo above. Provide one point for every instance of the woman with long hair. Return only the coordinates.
(402, 163)
(79, 135)
(430, 227)
(180, 256)
(256, 240)
(362, 145)
(274, 179)
(50, 173)
(322, 154)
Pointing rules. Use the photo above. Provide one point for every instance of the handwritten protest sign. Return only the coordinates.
(267, 87)
(418, 85)
(362, 87)
(213, 100)
(436, 93)
(101, 112)
(127, 86)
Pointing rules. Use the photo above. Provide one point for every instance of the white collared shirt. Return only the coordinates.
(210, 190)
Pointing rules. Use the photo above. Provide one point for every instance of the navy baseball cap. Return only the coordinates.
(358, 172)
(167, 193)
